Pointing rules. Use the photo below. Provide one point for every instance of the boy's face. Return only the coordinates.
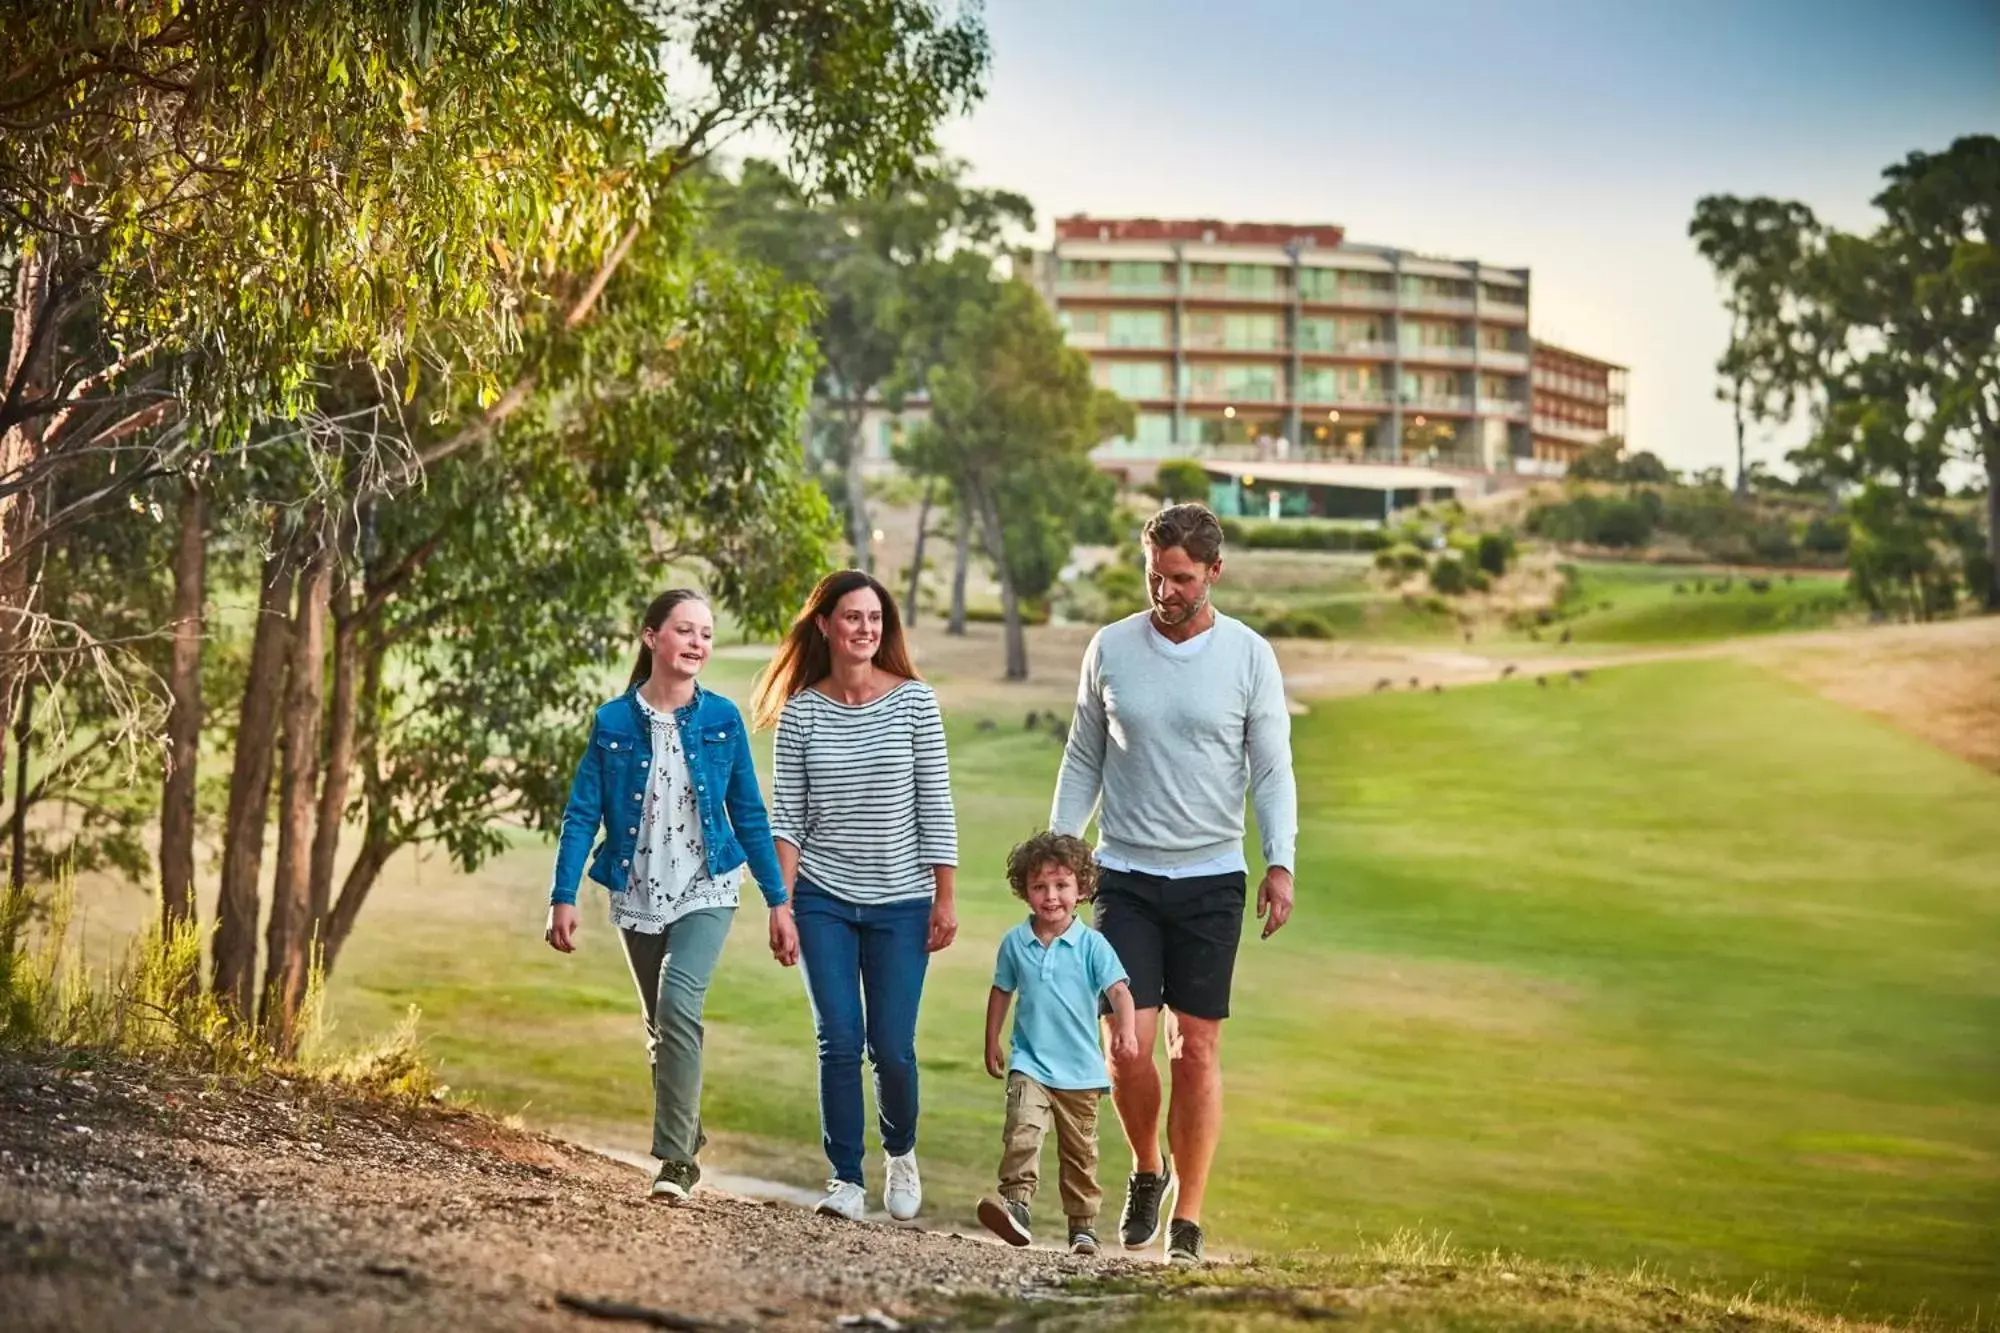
(1052, 894)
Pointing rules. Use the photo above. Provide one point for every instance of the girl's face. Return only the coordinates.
(681, 644)
(855, 628)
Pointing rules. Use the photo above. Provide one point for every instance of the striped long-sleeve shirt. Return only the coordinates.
(864, 792)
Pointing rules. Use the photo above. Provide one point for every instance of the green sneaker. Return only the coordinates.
(1006, 1218)
(675, 1181)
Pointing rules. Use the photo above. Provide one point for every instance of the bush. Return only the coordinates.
(1494, 552)
(1621, 523)
(1401, 558)
(1180, 480)
(1301, 534)
(1448, 576)
(1297, 625)
(1826, 534)
(1479, 581)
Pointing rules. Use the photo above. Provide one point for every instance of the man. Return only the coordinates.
(1178, 710)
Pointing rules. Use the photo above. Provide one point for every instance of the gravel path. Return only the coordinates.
(137, 1197)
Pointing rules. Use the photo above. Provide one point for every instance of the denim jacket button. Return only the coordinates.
(632, 831)
(614, 745)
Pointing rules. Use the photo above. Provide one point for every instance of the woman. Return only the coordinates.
(861, 799)
(667, 775)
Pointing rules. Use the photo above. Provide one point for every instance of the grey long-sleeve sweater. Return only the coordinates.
(1170, 744)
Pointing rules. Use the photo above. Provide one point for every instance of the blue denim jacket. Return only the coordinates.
(609, 791)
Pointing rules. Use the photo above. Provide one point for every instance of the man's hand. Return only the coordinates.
(996, 1060)
(1274, 900)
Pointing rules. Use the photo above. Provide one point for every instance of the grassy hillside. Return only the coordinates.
(1680, 967)
(1660, 604)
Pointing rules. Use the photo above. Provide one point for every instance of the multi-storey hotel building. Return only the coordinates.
(1578, 400)
(1234, 338)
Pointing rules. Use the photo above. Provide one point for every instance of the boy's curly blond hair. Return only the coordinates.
(1072, 854)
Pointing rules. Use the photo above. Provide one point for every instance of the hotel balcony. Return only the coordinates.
(1441, 356)
(1495, 359)
(1454, 403)
(1568, 433)
(1511, 408)
(1226, 294)
(1453, 305)
(1354, 298)
(1100, 340)
(1503, 312)
(1215, 342)
(1371, 351)
(1115, 291)
(1360, 400)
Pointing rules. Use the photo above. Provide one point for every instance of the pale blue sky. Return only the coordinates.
(1571, 136)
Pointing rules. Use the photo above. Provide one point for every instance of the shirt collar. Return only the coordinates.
(1070, 937)
(681, 714)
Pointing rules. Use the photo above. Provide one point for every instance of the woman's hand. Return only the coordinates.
(561, 933)
(944, 923)
(784, 935)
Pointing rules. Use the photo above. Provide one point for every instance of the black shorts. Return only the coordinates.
(1176, 937)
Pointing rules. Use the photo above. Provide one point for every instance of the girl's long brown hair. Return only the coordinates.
(806, 657)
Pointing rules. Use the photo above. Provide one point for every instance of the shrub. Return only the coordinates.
(1826, 534)
(1479, 581)
(1495, 551)
(1448, 576)
(1297, 625)
(1621, 522)
(1401, 558)
(1180, 480)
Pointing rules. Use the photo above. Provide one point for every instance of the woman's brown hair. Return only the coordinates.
(806, 657)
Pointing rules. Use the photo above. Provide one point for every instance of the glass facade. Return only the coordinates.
(1134, 379)
(1239, 333)
(1139, 328)
(1258, 384)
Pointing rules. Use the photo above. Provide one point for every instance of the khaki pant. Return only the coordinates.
(1032, 1111)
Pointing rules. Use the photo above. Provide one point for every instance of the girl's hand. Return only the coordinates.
(944, 923)
(784, 935)
(561, 933)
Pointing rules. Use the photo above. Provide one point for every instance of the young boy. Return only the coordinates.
(1060, 968)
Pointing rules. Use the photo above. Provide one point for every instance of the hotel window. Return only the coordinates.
(1496, 386)
(1319, 385)
(1318, 284)
(1499, 295)
(1139, 328)
(1500, 340)
(1082, 270)
(1134, 379)
(1317, 334)
(1253, 333)
(1416, 333)
(1154, 428)
(1367, 283)
(1255, 384)
(1139, 275)
(1083, 321)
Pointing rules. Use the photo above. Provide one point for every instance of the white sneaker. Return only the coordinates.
(843, 1199)
(903, 1193)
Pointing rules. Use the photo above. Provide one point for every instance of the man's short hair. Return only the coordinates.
(1192, 527)
(1052, 849)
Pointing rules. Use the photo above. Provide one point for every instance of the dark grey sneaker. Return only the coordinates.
(1006, 1218)
(1082, 1240)
(1139, 1224)
(675, 1181)
(1184, 1243)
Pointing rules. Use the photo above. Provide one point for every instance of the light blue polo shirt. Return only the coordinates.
(1056, 988)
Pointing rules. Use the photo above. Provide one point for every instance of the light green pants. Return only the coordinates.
(672, 971)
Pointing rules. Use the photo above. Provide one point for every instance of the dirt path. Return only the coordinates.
(132, 1197)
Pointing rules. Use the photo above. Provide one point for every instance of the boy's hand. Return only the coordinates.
(1124, 1044)
(996, 1061)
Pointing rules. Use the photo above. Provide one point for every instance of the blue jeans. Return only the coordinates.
(864, 967)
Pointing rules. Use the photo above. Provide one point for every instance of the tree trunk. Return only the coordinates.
(24, 725)
(1010, 601)
(250, 794)
(335, 781)
(1742, 465)
(917, 560)
(860, 532)
(1993, 526)
(361, 877)
(961, 563)
(177, 795)
(377, 844)
(20, 442)
(285, 943)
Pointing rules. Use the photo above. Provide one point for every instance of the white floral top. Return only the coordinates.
(670, 863)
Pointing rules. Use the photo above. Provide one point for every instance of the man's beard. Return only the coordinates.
(1186, 614)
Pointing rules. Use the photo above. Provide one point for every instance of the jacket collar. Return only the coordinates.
(681, 715)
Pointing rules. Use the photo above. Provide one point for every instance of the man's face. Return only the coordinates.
(1178, 584)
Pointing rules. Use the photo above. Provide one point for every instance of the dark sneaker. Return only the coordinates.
(1139, 1224)
(675, 1181)
(1083, 1241)
(1184, 1243)
(1006, 1218)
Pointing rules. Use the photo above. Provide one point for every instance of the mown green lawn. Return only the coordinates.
(1656, 604)
(1679, 966)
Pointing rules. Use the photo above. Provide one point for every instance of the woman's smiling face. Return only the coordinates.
(854, 629)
